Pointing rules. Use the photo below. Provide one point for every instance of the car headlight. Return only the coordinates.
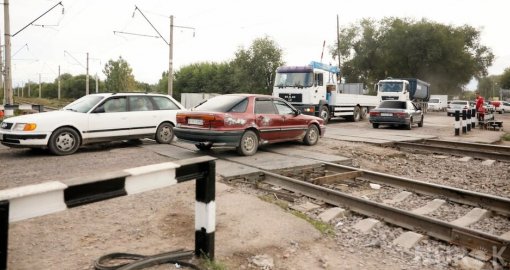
(25, 127)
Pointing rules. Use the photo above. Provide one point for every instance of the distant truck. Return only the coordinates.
(412, 89)
(314, 89)
(438, 103)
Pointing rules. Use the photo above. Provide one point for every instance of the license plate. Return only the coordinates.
(198, 122)
(386, 114)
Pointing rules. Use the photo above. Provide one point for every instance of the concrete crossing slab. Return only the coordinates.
(303, 152)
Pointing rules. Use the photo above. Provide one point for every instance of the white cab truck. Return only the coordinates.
(438, 103)
(412, 89)
(314, 90)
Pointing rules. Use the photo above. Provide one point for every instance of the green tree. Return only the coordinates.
(254, 68)
(504, 80)
(444, 55)
(119, 77)
(489, 86)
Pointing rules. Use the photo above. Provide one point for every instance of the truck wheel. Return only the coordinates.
(248, 144)
(324, 114)
(312, 135)
(420, 124)
(364, 112)
(356, 114)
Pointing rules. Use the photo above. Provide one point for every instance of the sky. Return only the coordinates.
(65, 35)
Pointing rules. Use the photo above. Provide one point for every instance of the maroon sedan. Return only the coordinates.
(246, 121)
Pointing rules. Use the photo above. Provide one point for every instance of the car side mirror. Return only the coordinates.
(297, 112)
(99, 110)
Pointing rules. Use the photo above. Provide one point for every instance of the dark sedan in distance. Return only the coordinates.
(245, 121)
(396, 113)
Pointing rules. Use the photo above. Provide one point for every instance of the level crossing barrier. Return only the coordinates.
(25, 202)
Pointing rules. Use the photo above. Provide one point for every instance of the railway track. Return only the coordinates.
(476, 150)
(323, 188)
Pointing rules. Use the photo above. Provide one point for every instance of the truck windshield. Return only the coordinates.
(390, 87)
(294, 80)
(434, 100)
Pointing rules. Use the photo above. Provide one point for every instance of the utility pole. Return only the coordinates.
(58, 80)
(8, 75)
(39, 85)
(87, 77)
(170, 56)
(338, 49)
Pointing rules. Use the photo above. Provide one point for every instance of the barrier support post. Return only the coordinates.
(464, 128)
(457, 123)
(4, 233)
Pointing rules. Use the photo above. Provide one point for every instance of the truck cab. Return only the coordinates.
(315, 90)
(391, 89)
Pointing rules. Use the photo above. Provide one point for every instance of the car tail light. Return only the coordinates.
(375, 113)
(213, 121)
(400, 114)
(181, 119)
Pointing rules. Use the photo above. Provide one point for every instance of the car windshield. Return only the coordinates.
(393, 104)
(223, 103)
(83, 104)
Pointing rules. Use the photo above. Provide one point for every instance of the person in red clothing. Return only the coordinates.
(479, 106)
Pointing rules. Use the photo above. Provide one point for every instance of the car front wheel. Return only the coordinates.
(312, 135)
(248, 144)
(165, 133)
(64, 141)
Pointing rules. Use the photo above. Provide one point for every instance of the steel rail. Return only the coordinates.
(468, 145)
(435, 228)
(493, 203)
(501, 153)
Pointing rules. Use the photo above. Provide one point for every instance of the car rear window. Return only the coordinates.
(393, 104)
(459, 102)
(164, 103)
(223, 104)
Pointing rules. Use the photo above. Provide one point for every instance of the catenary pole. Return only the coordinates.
(170, 57)
(7, 35)
(39, 85)
(58, 82)
(87, 77)
(1, 69)
(338, 49)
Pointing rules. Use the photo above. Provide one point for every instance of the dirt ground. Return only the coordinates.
(247, 226)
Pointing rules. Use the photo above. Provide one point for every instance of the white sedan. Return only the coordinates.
(94, 118)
